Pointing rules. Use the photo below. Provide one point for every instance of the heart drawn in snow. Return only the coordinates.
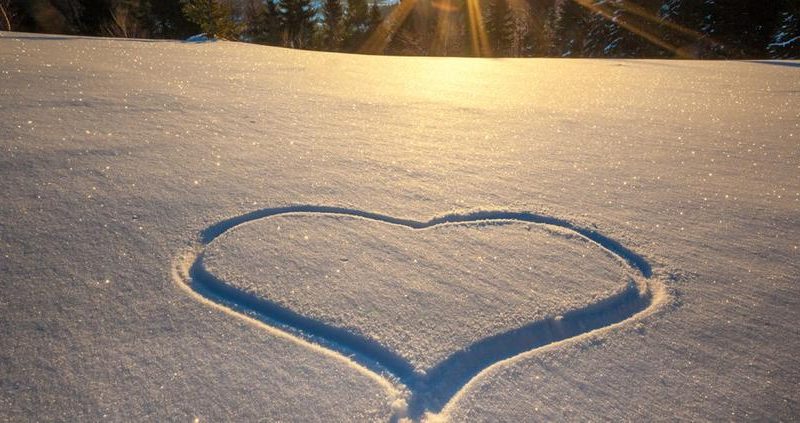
(433, 303)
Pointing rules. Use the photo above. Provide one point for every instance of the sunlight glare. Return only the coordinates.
(477, 31)
(641, 32)
(380, 38)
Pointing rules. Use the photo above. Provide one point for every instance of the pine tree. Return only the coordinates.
(261, 22)
(356, 23)
(519, 35)
(375, 16)
(227, 26)
(333, 24)
(603, 35)
(538, 37)
(569, 23)
(297, 22)
(215, 17)
(358, 15)
(167, 20)
(413, 35)
(500, 27)
(785, 42)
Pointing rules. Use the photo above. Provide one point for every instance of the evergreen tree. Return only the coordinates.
(333, 24)
(296, 20)
(745, 28)
(786, 36)
(261, 22)
(356, 23)
(500, 27)
(200, 12)
(167, 20)
(253, 20)
(569, 23)
(226, 24)
(613, 28)
(538, 37)
(413, 35)
(375, 16)
(215, 17)
(518, 46)
(603, 36)
(82, 16)
(357, 15)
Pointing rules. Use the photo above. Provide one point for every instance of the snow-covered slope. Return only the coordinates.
(118, 153)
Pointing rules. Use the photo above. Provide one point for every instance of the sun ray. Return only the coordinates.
(643, 13)
(377, 42)
(444, 9)
(641, 32)
(479, 39)
(382, 35)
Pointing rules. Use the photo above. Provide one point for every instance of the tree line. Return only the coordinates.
(711, 29)
(499, 28)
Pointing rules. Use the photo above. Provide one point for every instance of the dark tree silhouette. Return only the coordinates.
(333, 24)
(261, 22)
(297, 25)
(575, 28)
(500, 27)
(215, 17)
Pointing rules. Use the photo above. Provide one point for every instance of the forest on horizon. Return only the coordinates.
(703, 29)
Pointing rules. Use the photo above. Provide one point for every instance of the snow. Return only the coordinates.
(784, 43)
(199, 38)
(424, 294)
(117, 154)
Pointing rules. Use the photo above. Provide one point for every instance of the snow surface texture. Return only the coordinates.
(429, 374)
(116, 153)
(422, 293)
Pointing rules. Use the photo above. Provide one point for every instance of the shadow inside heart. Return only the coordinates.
(434, 306)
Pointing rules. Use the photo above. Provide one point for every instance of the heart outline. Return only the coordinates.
(434, 391)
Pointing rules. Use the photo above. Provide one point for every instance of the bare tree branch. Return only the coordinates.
(5, 15)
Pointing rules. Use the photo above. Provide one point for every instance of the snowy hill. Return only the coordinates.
(225, 231)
